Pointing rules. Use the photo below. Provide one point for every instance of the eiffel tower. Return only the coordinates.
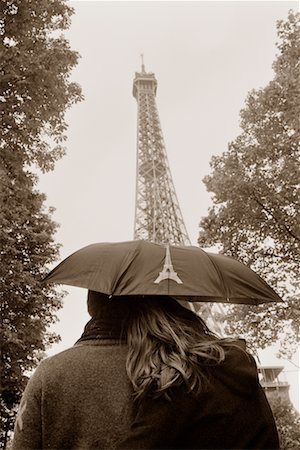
(158, 217)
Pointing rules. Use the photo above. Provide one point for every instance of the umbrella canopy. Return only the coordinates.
(143, 268)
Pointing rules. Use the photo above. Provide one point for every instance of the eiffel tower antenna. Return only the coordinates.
(158, 216)
(143, 65)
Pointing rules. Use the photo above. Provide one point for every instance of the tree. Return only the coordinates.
(27, 308)
(287, 422)
(34, 86)
(255, 185)
(35, 91)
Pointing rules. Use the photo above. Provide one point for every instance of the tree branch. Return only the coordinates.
(279, 222)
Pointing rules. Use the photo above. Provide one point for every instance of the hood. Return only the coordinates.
(238, 371)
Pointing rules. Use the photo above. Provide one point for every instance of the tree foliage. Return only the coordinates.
(27, 245)
(255, 186)
(35, 91)
(288, 423)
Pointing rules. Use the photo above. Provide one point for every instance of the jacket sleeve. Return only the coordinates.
(28, 425)
(159, 423)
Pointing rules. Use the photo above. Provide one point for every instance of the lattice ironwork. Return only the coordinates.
(158, 216)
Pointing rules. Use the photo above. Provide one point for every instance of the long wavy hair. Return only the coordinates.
(169, 345)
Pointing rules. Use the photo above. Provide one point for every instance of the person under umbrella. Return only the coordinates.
(147, 373)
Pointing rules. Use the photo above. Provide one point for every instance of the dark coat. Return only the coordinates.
(82, 399)
(231, 413)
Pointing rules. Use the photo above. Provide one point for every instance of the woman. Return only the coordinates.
(146, 374)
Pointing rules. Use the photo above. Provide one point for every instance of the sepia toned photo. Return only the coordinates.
(150, 226)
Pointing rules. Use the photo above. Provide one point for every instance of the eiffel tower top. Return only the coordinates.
(144, 81)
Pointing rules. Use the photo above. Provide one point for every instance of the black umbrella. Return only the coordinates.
(143, 268)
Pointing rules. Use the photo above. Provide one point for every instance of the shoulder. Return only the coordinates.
(92, 352)
(49, 362)
(52, 360)
(237, 353)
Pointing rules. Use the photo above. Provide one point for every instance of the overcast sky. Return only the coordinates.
(206, 57)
